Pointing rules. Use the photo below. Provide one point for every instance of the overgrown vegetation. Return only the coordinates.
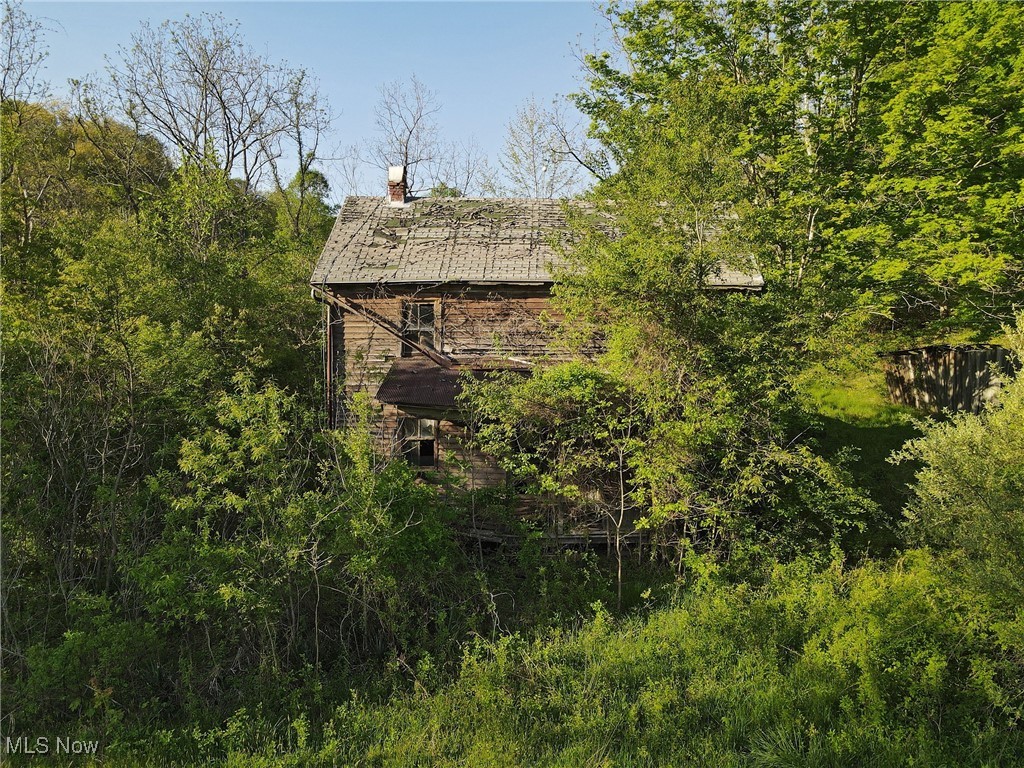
(196, 570)
(873, 666)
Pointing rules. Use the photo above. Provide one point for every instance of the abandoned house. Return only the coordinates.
(419, 291)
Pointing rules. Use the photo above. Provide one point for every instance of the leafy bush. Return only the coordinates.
(869, 667)
(969, 497)
(286, 553)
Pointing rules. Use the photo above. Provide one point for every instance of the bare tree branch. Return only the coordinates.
(407, 130)
(539, 158)
(307, 118)
(22, 55)
(195, 84)
(134, 161)
(460, 169)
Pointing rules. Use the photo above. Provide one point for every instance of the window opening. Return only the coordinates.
(419, 437)
(417, 326)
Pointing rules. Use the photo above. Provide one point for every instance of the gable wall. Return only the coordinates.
(507, 322)
(470, 322)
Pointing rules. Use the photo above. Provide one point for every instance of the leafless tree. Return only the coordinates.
(23, 54)
(347, 163)
(307, 118)
(460, 169)
(574, 144)
(408, 135)
(195, 84)
(407, 131)
(545, 155)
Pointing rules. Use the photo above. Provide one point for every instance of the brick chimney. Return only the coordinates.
(396, 184)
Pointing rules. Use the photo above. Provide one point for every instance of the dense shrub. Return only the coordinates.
(874, 666)
(968, 500)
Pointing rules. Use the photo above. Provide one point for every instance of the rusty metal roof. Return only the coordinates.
(442, 240)
(940, 349)
(420, 382)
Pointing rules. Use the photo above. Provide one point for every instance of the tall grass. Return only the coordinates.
(872, 666)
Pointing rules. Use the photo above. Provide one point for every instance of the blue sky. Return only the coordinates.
(482, 58)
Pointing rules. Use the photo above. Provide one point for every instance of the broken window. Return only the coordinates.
(419, 439)
(417, 326)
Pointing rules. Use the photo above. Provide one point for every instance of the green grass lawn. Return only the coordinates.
(853, 411)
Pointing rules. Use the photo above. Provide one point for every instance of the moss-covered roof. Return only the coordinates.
(442, 240)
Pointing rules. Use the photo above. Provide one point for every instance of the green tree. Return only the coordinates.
(284, 545)
(937, 223)
(303, 214)
(723, 462)
(117, 330)
(573, 433)
(443, 190)
(968, 498)
(841, 118)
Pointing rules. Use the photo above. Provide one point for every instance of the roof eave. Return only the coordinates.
(378, 283)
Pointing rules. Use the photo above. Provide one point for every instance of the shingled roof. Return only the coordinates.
(462, 240)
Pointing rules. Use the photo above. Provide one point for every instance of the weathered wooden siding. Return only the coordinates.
(335, 356)
(369, 349)
(389, 435)
(477, 470)
(470, 323)
(946, 378)
(495, 325)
